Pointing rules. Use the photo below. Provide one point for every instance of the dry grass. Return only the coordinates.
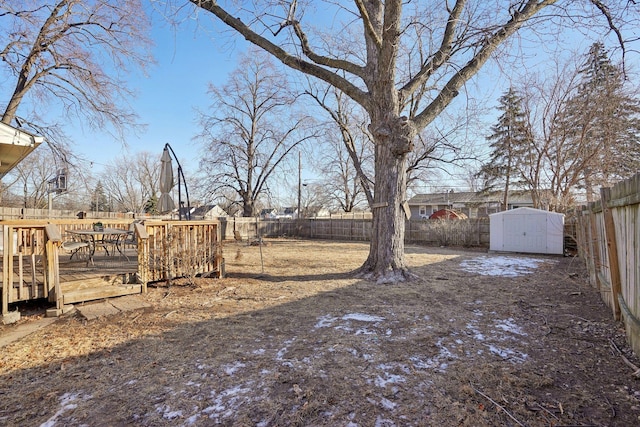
(301, 342)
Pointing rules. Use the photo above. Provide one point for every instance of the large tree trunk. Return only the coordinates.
(386, 263)
(248, 208)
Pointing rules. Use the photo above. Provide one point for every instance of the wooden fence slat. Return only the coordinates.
(610, 244)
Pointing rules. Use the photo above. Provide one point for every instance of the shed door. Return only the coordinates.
(525, 233)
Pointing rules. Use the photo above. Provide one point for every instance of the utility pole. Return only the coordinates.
(299, 183)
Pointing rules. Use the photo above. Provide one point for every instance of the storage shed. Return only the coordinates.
(527, 230)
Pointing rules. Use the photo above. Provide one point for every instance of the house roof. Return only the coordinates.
(204, 209)
(15, 145)
(469, 197)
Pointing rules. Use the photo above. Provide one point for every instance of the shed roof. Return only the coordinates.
(526, 211)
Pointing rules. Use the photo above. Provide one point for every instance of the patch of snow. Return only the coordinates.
(344, 328)
(389, 379)
(66, 404)
(387, 404)
(477, 334)
(233, 368)
(438, 361)
(283, 350)
(167, 413)
(382, 422)
(329, 321)
(192, 419)
(507, 353)
(225, 403)
(505, 266)
(362, 317)
(509, 326)
(325, 322)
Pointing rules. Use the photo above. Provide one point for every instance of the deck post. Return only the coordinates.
(53, 238)
(142, 239)
(6, 286)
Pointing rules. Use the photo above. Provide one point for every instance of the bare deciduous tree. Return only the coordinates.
(72, 54)
(458, 38)
(252, 129)
(346, 163)
(27, 182)
(130, 182)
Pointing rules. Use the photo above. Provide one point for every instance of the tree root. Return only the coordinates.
(386, 276)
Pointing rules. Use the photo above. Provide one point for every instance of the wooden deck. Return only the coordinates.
(107, 276)
(36, 264)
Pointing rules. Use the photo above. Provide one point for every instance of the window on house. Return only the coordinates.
(425, 211)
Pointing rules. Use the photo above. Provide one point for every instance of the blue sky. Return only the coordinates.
(187, 60)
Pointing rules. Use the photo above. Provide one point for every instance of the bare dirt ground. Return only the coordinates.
(482, 340)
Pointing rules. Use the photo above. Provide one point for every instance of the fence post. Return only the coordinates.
(612, 250)
(594, 248)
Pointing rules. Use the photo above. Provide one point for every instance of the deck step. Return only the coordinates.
(99, 292)
(81, 288)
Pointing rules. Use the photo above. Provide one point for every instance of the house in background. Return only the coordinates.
(269, 213)
(472, 204)
(208, 212)
(316, 211)
(288, 213)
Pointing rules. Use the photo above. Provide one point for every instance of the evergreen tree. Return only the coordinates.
(99, 201)
(510, 140)
(151, 206)
(603, 123)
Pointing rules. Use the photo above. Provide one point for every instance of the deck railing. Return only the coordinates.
(165, 250)
(29, 263)
(180, 249)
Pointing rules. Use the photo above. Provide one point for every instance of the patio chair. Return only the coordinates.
(74, 247)
(130, 239)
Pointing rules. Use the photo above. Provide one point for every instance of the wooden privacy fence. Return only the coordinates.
(609, 242)
(40, 214)
(467, 232)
